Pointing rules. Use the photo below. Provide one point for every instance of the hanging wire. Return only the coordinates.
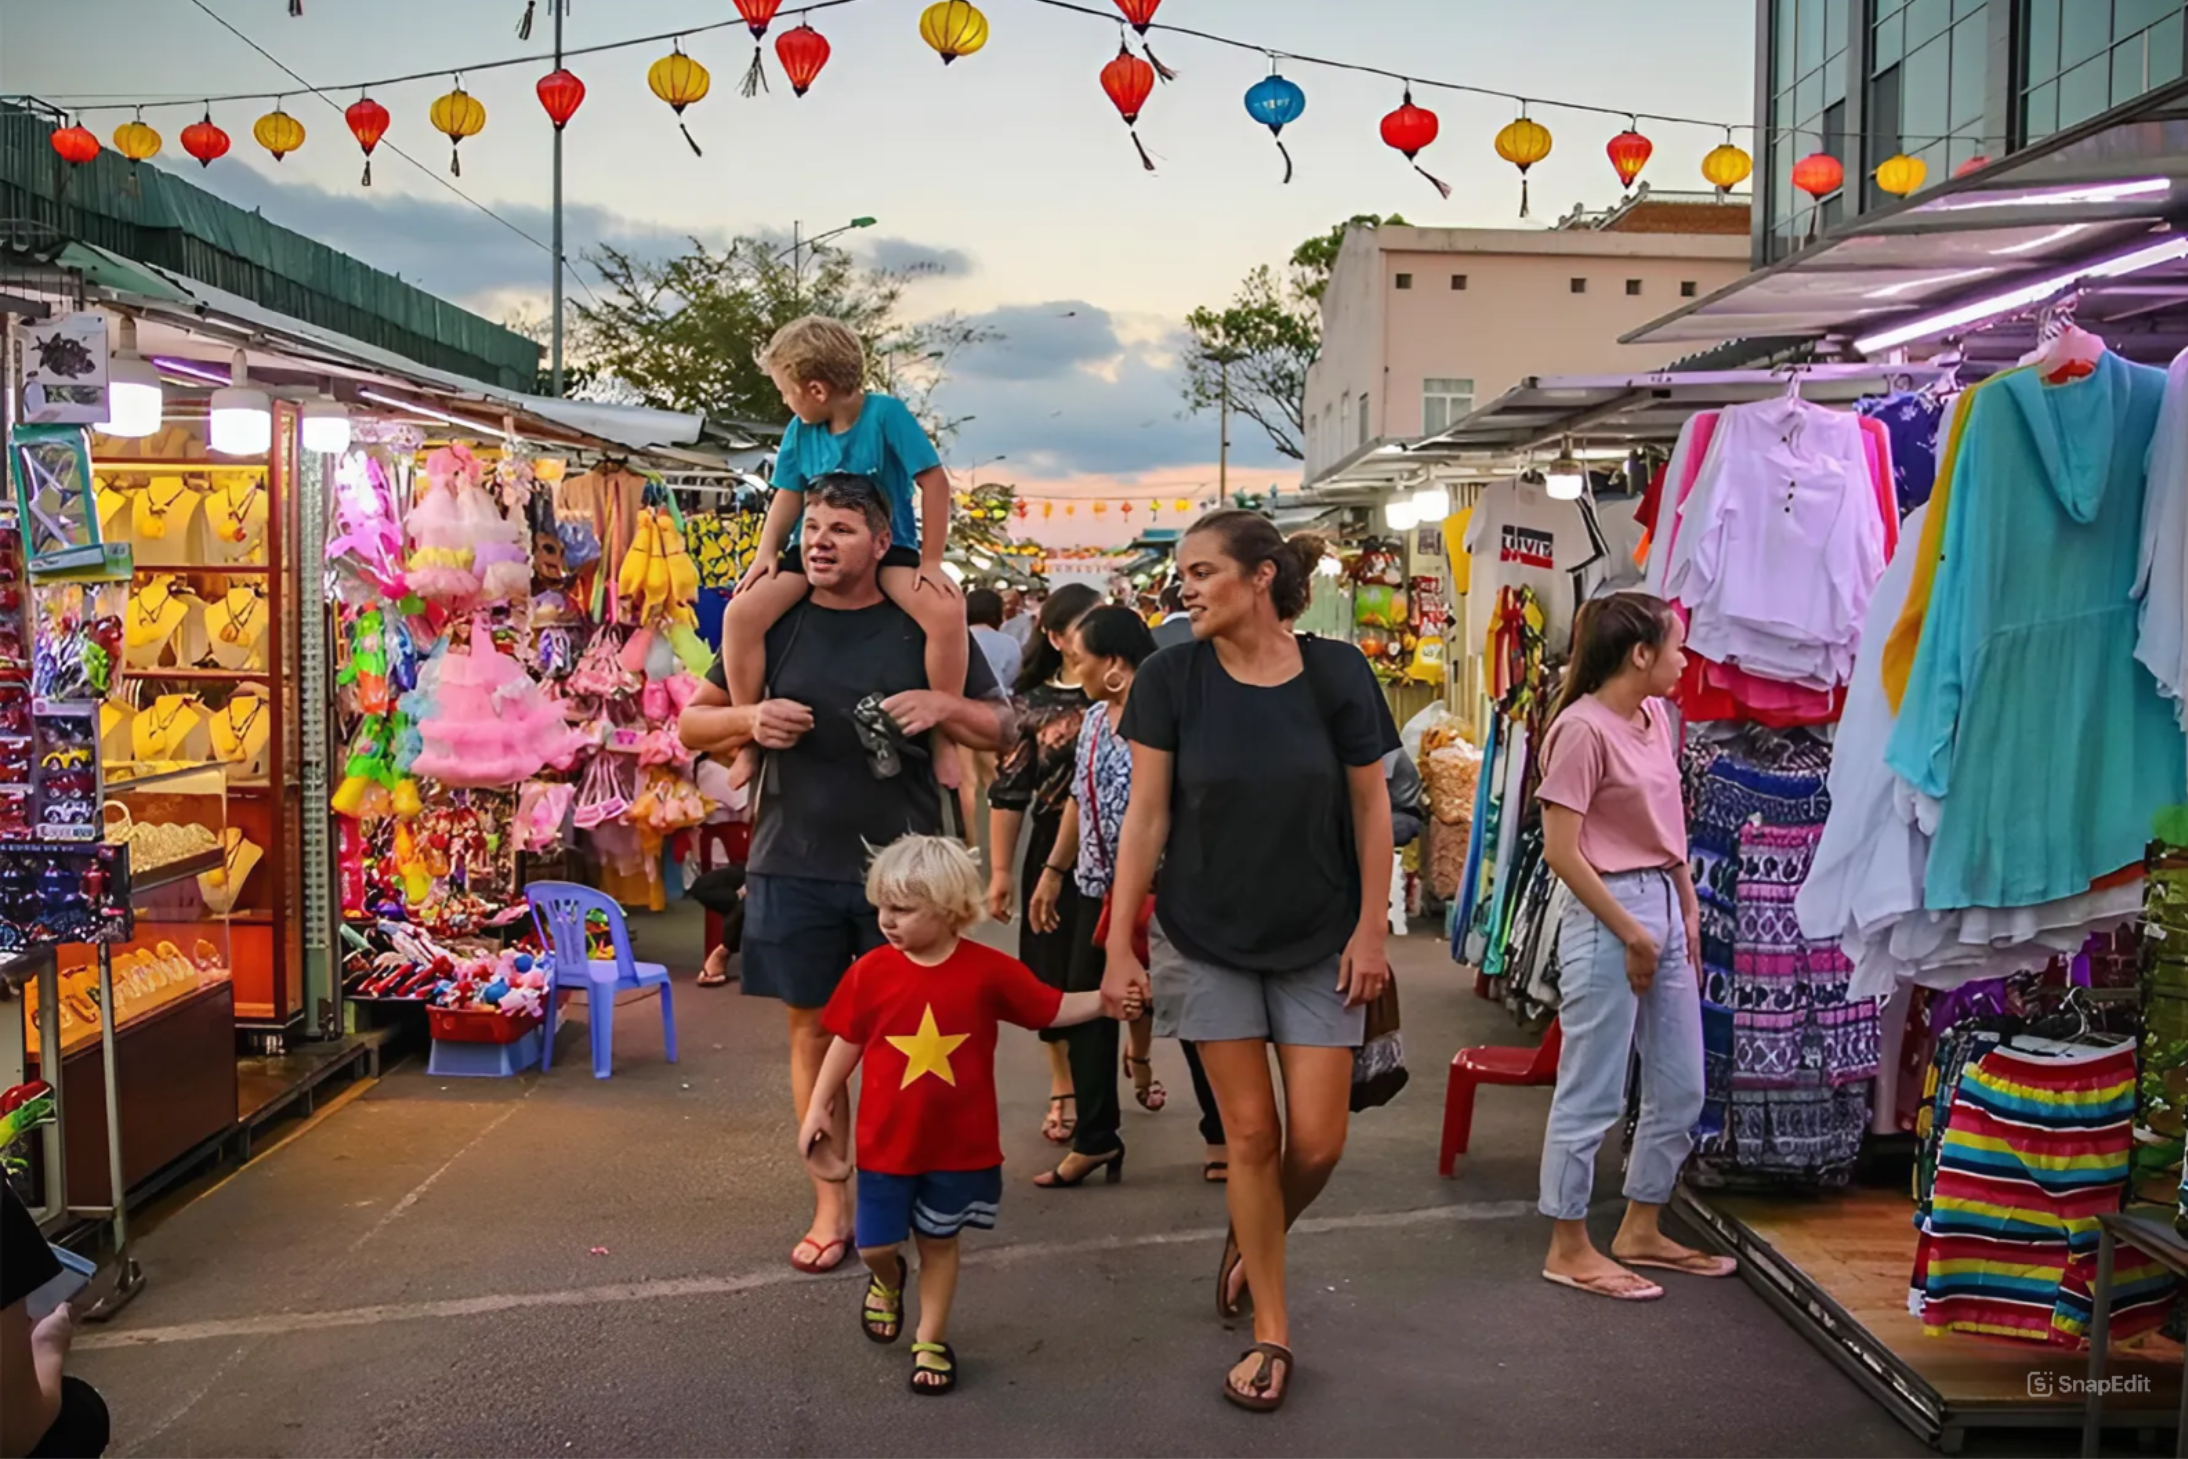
(1070, 6)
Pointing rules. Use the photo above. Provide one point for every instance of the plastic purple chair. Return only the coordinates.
(559, 911)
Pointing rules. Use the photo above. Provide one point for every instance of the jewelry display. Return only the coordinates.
(235, 628)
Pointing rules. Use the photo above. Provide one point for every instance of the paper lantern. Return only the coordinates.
(1523, 142)
(758, 15)
(368, 122)
(205, 141)
(278, 132)
(456, 116)
(1819, 174)
(561, 93)
(1973, 164)
(954, 28)
(802, 52)
(1276, 103)
(1129, 82)
(1126, 508)
(1048, 509)
(1629, 152)
(74, 144)
(1183, 505)
(136, 141)
(1410, 129)
(1900, 175)
(1726, 167)
(679, 80)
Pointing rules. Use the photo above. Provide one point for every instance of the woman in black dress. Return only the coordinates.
(1033, 782)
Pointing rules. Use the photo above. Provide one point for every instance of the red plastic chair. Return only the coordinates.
(1472, 1068)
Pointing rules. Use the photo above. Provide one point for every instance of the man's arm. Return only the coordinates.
(977, 724)
(711, 725)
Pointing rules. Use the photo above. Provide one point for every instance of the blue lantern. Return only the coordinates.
(1276, 103)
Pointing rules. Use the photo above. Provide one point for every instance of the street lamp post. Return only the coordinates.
(799, 243)
(1224, 358)
(975, 472)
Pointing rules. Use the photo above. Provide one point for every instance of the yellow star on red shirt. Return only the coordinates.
(928, 1051)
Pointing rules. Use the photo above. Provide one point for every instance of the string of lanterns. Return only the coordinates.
(954, 29)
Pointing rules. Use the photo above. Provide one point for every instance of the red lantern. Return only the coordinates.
(1973, 164)
(1410, 129)
(802, 52)
(562, 94)
(1020, 508)
(1129, 82)
(1819, 174)
(75, 145)
(368, 121)
(758, 15)
(1629, 153)
(204, 141)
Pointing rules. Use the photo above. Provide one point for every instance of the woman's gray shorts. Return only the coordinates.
(1203, 1002)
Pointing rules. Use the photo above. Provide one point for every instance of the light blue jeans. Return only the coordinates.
(1604, 1022)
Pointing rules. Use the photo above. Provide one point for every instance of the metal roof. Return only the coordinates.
(2085, 195)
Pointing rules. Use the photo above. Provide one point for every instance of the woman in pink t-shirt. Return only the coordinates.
(1614, 831)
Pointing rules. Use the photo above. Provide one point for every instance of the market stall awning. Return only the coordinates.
(2065, 209)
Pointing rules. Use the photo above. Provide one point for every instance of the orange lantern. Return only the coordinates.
(1629, 152)
(1048, 509)
(1726, 166)
(1819, 174)
(1523, 143)
(75, 144)
(368, 123)
(1129, 82)
(757, 15)
(205, 141)
(679, 80)
(278, 132)
(456, 116)
(1101, 509)
(1071, 509)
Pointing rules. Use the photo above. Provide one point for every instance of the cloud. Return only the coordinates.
(1071, 390)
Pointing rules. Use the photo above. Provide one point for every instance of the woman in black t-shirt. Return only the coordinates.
(1257, 784)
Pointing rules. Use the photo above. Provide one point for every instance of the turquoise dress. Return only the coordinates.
(2028, 715)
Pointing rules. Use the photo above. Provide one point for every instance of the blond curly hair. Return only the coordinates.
(817, 349)
(933, 872)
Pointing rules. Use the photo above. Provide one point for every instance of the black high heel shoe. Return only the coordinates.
(1111, 1166)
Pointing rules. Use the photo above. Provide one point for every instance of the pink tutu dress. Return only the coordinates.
(488, 723)
(441, 557)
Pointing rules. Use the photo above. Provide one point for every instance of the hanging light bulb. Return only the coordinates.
(242, 416)
(134, 395)
(1565, 478)
(1399, 513)
(326, 426)
(1431, 504)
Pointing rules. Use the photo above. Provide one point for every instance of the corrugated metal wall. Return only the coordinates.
(151, 216)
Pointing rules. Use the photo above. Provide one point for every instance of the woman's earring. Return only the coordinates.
(1114, 682)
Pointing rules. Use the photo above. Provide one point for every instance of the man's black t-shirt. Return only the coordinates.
(1261, 871)
(26, 1262)
(820, 806)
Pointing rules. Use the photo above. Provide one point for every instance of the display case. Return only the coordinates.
(210, 650)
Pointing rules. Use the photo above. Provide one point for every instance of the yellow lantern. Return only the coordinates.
(456, 116)
(1101, 509)
(136, 141)
(954, 28)
(1048, 509)
(278, 132)
(1183, 506)
(1901, 174)
(1523, 143)
(1726, 167)
(679, 80)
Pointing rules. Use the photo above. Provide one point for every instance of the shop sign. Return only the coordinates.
(64, 369)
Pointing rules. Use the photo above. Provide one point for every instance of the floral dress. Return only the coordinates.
(1035, 779)
(1102, 783)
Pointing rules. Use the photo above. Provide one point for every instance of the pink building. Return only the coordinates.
(1421, 325)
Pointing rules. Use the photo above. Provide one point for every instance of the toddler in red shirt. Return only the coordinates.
(922, 1014)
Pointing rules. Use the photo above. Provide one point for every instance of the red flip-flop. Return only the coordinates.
(822, 1263)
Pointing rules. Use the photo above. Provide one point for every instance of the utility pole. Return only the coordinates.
(797, 264)
(1223, 444)
(555, 377)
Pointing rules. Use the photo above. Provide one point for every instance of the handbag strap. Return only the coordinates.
(1099, 719)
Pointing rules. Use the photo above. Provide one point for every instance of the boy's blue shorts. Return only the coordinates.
(938, 1204)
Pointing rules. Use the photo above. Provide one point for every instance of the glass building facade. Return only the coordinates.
(1947, 81)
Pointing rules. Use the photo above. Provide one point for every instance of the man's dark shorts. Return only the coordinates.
(802, 935)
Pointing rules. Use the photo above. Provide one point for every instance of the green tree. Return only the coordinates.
(682, 333)
(1258, 347)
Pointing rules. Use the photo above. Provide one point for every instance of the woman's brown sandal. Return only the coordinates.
(1256, 1394)
(1151, 1095)
(1059, 1127)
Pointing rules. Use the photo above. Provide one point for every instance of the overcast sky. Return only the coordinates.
(1009, 168)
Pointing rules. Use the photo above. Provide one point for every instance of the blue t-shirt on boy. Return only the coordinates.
(885, 443)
